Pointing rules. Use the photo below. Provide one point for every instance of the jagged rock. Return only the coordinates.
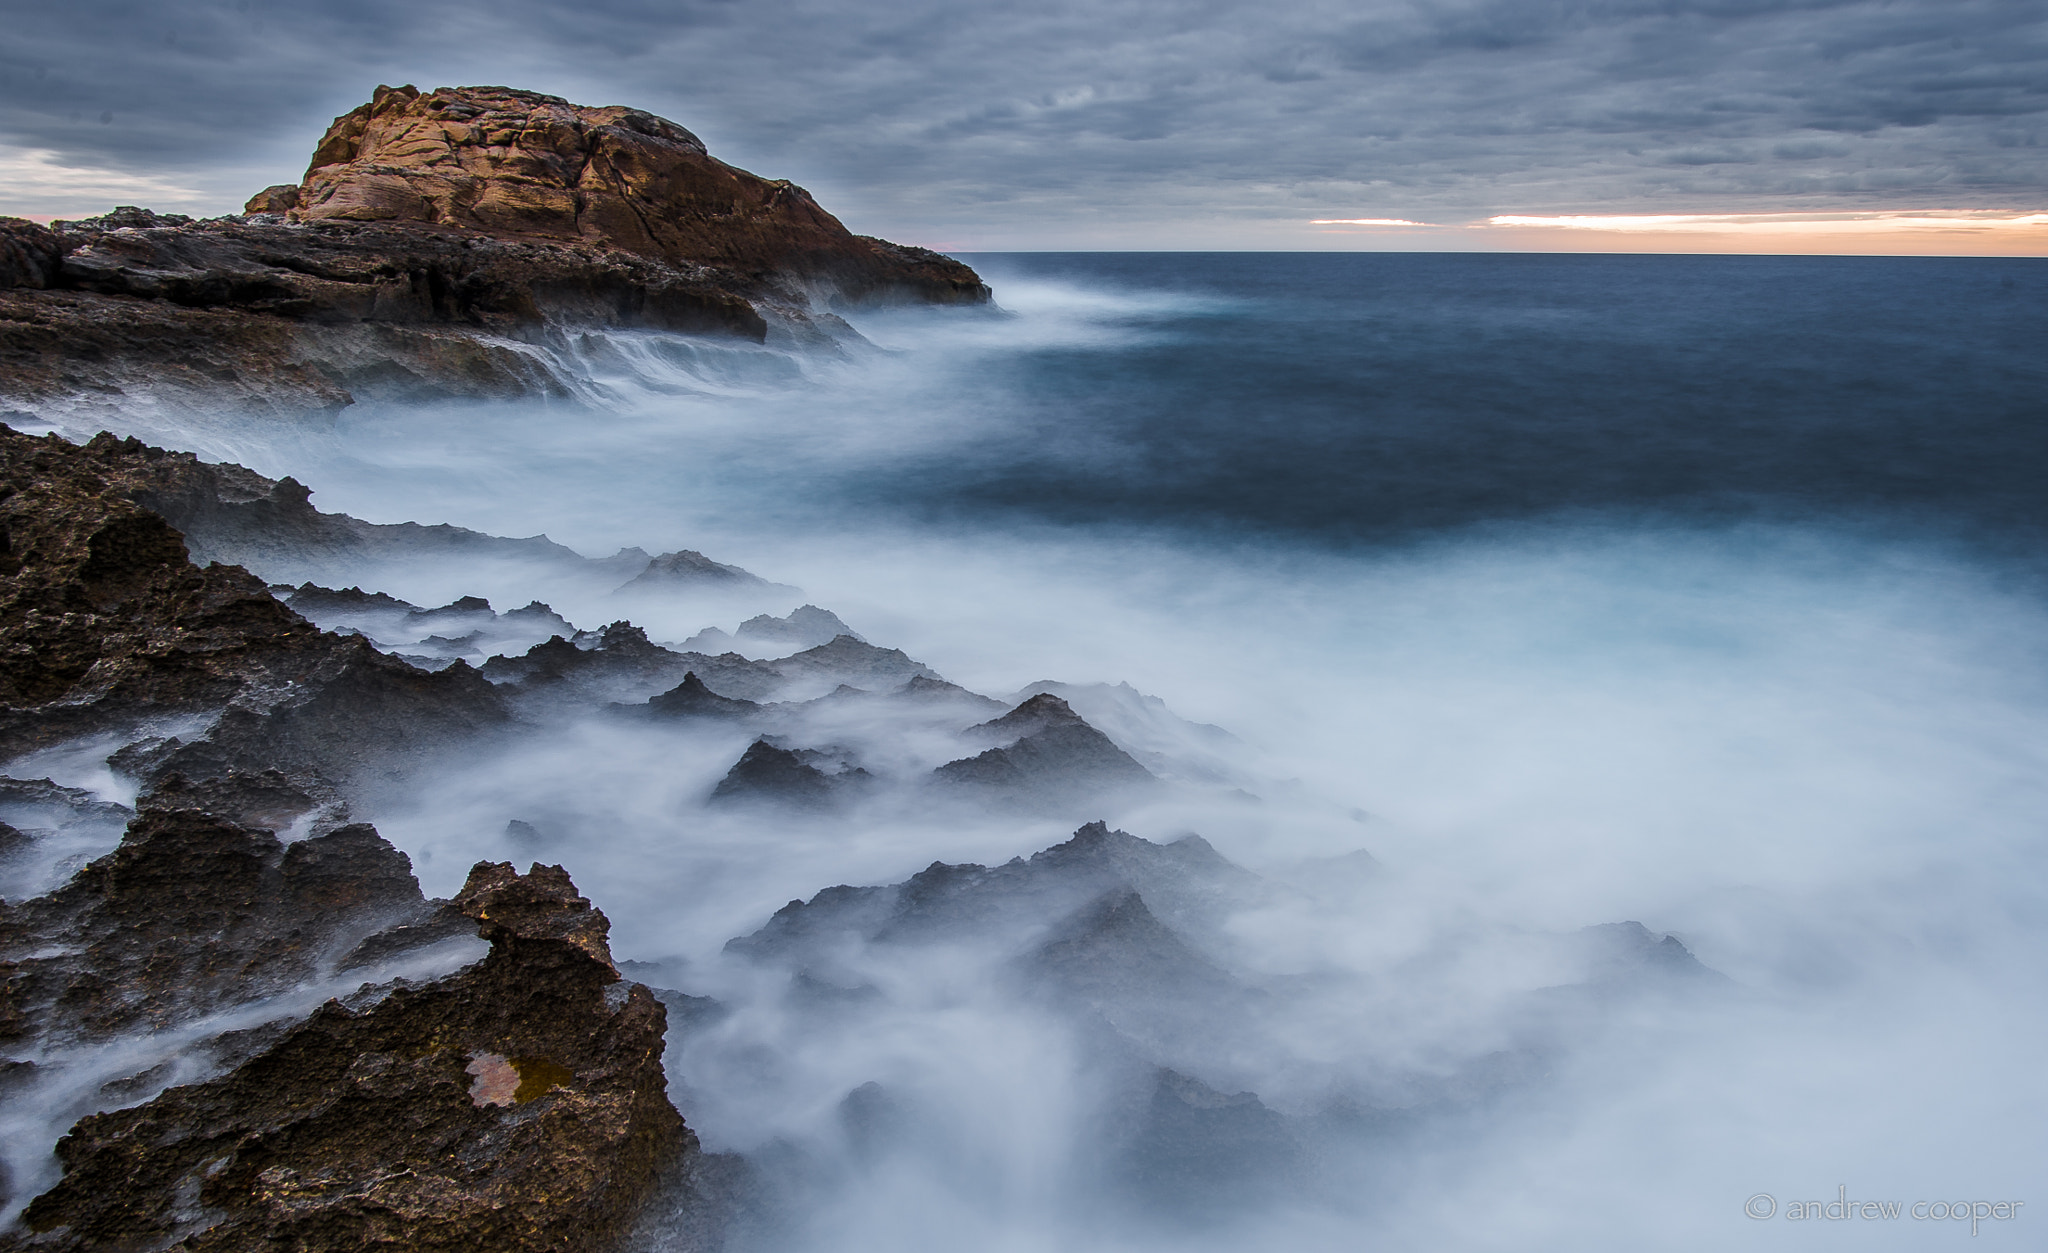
(691, 699)
(309, 601)
(925, 688)
(30, 255)
(515, 1105)
(46, 795)
(282, 198)
(1187, 880)
(1166, 744)
(191, 913)
(1050, 751)
(688, 569)
(268, 800)
(103, 619)
(845, 659)
(624, 666)
(1117, 950)
(766, 772)
(806, 626)
(536, 614)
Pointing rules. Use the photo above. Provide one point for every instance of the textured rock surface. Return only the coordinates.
(30, 255)
(520, 163)
(1045, 748)
(518, 1104)
(104, 623)
(192, 913)
(768, 773)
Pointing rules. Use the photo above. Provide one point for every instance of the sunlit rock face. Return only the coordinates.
(520, 163)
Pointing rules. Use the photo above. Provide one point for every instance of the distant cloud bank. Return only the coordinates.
(1119, 123)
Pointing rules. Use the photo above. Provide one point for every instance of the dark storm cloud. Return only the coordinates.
(924, 116)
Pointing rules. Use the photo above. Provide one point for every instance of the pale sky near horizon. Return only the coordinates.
(1703, 125)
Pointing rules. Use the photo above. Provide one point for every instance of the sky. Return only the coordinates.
(972, 125)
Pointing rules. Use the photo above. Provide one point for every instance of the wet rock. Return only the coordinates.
(621, 664)
(312, 602)
(268, 800)
(766, 773)
(691, 699)
(845, 659)
(1051, 752)
(1186, 880)
(105, 622)
(518, 1105)
(624, 666)
(192, 913)
(693, 570)
(806, 626)
(1116, 951)
(929, 690)
(54, 804)
(1169, 746)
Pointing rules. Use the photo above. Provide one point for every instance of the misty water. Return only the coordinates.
(1704, 593)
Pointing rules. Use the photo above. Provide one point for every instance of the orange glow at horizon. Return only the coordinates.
(1955, 232)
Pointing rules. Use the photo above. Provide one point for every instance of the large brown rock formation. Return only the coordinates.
(518, 163)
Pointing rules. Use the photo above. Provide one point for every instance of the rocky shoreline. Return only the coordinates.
(226, 1002)
(435, 240)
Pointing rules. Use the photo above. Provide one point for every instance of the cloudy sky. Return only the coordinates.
(978, 124)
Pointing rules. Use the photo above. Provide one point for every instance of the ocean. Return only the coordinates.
(1534, 594)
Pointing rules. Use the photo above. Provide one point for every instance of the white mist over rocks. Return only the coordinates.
(1814, 752)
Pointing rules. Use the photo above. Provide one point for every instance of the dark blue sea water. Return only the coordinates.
(1358, 396)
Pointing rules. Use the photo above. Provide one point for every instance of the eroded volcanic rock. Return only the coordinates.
(516, 1105)
(1046, 750)
(192, 913)
(106, 626)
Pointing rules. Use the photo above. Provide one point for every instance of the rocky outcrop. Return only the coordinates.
(105, 624)
(518, 1104)
(349, 272)
(624, 665)
(1045, 748)
(442, 244)
(691, 699)
(1187, 881)
(30, 255)
(518, 163)
(769, 774)
(691, 569)
(192, 913)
